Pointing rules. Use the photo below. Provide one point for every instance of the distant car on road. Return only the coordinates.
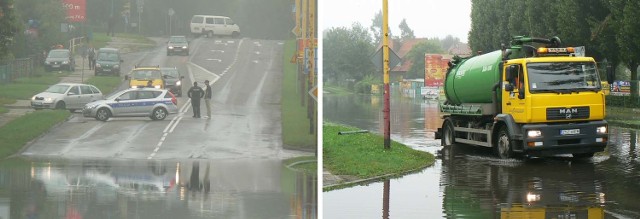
(141, 75)
(59, 59)
(178, 44)
(71, 96)
(108, 61)
(155, 103)
(173, 80)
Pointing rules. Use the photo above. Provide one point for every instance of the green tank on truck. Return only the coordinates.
(469, 81)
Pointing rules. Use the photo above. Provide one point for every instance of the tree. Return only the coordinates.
(626, 14)
(347, 53)
(416, 56)
(8, 27)
(376, 28)
(448, 42)
(48, 15)
(405, 31)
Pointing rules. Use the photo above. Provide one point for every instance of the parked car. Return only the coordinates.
(173, 80)
(59, 59)
(141, 75)
(155, 103)
(210, 25)
(178, 44)
(71, 96)
(108, 61)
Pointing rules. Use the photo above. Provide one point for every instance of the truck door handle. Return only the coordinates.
(508, 103)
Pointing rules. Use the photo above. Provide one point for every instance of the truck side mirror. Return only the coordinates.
(126, 77)
(610, 74)
(512, 72)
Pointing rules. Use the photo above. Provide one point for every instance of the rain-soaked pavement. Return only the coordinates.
(154, 189)
(469, 182)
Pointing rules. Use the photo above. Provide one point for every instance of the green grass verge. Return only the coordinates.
(19, 131)
(363, 155)
(100, 39)
(295, 125)
(3, 110)
(307, 167)
(106, 84)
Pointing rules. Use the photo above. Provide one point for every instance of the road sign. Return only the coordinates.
(171, 12)
(314, 93)
(394, 59)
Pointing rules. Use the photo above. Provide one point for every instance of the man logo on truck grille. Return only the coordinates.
(567, 112)
(578, 112)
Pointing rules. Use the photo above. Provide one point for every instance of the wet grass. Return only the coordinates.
(363, 155)
(106, 84)
(25, 88)
(300, 164)
(15, 134)
(295, 124)
(623, 117)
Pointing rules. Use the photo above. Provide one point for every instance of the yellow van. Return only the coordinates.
(140, 76)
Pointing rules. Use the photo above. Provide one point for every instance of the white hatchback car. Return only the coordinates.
(71, 96)
(155, 103)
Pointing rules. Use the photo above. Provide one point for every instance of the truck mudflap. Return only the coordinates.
(565, 138)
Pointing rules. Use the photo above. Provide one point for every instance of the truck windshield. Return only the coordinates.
(563, 77)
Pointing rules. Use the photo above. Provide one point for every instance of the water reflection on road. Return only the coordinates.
(469, 182)
(154, 189)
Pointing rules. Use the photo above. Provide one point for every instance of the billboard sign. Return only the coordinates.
(434, 70)
(76, 10)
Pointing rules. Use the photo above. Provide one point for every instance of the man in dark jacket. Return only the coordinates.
(207, 98)
(195, 93)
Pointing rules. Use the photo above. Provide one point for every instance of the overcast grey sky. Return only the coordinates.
(427, 18)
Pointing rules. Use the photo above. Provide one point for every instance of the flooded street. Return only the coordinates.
(470, 182)
(37, 188)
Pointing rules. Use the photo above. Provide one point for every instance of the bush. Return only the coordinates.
(622, 101)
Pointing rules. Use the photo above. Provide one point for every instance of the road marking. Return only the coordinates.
(217, 50)
(175, 124)
(257, 52)
(255, 61)
(170, 123)
(235, 59)
(219, 60)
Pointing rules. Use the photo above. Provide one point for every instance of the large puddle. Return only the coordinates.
(154, 189)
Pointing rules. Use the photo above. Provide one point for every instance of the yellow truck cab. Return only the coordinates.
(141, 75)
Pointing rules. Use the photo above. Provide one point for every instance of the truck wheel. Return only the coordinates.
(583, 155)
(103, 114)
(159, 114)
(448, 134)
(503, 146)
(235, 35)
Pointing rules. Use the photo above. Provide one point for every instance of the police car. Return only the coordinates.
(155, 103)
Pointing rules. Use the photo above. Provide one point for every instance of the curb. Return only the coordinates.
(347, 184)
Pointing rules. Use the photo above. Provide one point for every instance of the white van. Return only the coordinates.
(210, 25)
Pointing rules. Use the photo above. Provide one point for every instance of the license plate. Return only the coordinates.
(55, 66)
(106, 69)
(37, 103)
(570, 132)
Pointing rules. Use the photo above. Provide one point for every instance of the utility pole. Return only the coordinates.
(385, 64)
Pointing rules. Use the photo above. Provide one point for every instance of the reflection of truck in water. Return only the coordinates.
(494, 189)
(525, 100)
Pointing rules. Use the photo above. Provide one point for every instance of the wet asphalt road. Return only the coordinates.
(245, 123)
(470, 182)
(139, 168)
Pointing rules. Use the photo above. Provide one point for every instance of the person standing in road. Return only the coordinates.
(207, 98)
(195, 93)
(92, 57)
(150, 83)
